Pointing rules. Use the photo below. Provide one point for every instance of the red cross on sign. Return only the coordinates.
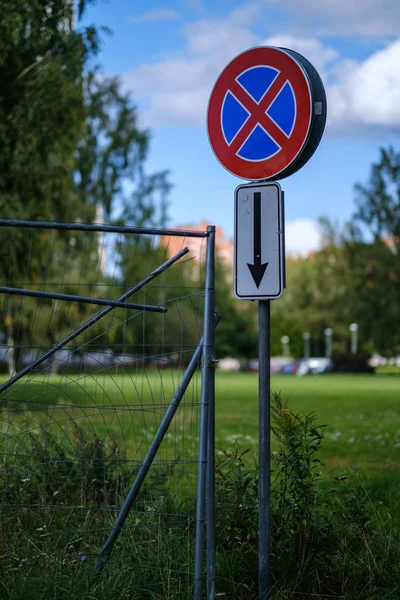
(260, 113)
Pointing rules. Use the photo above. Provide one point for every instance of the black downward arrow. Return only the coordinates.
(257, 270)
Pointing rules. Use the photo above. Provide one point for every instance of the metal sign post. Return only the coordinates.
(259, 275)
(266, 116)
(264, 450)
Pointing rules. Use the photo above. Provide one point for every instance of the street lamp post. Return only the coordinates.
(353, 327)
(306, 339)
(285, 345)
(328, 342)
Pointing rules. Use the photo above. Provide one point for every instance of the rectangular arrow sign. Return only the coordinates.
(259, 252)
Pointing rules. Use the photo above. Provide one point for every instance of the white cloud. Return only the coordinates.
(178, 87)
(342, 17)
(158, 14)
(316, 52)
(368, 93)
(361, 95)
(302, 236)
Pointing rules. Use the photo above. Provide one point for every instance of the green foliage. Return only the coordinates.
(325, 543)
(87, 470)
(317, 297)
(236, 334)
(236, 524)
(69, 142)
(379, 201)
(110, 156)
(375, 271)
(374, 265)
(59, 498)
(354, 277)
(298, 471)
(42, 59)
(63, 502)
(331, 536)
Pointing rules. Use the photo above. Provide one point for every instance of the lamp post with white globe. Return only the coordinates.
(285, 345)
(353, 327)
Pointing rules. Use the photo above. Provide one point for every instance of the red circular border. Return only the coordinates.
(266, 169)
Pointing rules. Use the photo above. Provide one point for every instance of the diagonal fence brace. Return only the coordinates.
(92, 320)
(151, 454)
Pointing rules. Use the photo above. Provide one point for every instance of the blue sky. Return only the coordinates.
(169, 54)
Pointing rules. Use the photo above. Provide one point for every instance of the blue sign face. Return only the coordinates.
(260, 144)
(266, 113)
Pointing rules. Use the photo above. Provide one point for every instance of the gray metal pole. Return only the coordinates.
(211, 532)
(211, 527)
(328, 342)
(354, 342)
(207, 374)
(81, 299)
(306, 338)
(354, 337)
(151, 453)
(264, 442)
(285, 345)
(100, 228)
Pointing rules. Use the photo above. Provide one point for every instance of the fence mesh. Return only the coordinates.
(75, 429)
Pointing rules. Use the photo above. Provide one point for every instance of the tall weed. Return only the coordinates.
(326, 542)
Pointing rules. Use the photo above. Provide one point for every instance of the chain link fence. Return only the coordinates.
(104, 454)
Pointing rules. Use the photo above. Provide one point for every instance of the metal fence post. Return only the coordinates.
(206, 444)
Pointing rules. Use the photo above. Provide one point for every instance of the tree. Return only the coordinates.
(315, 299)
(42, 117)
(111, 155)
(69, 141)
(379, 201)
(373, 294)
(236, 334)
(375, 264)
(42, 111)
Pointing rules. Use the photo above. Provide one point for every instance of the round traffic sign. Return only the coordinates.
(266, 113)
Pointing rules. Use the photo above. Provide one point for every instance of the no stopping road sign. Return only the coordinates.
(266, 113)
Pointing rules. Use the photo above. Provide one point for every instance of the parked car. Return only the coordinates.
(129, 360)
(315, 365)
(290, 368)
(280, 364)
(104, 358)
(228, 364)
(252, 365)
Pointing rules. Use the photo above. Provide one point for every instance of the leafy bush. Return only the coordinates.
(325, 542)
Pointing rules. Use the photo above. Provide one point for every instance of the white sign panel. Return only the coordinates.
(258, 248)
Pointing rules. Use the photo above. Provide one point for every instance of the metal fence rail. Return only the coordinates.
(105, 414)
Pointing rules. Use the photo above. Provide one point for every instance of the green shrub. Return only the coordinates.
(57, 503)
(90, 471)
(326, 542)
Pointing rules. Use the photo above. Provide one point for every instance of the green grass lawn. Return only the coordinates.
(362, 413)
(362, 433)
(362, 441)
